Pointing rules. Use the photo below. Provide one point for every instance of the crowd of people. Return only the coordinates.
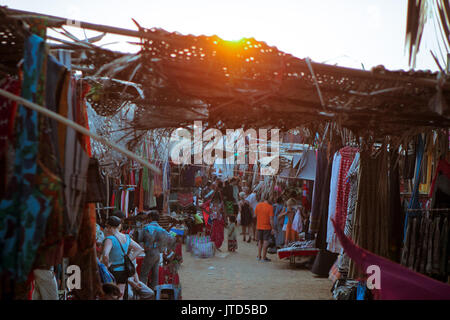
(268, 220)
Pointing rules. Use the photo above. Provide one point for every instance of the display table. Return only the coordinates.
(284, 254)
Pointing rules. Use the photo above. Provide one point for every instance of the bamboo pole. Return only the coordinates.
(78, 128)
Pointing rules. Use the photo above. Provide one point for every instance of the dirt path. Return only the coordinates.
(240, 276)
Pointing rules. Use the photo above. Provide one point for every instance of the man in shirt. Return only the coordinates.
(264, 226)
(154, 238)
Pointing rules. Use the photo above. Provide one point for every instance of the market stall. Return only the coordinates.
(366, 130)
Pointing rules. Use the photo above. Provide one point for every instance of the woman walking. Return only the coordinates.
(246, 216)
(278, 224)
(115, 246)
(218, 223)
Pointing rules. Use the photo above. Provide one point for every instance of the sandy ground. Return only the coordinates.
(240, 276)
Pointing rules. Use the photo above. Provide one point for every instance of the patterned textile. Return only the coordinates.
(25, 209)
(50, 251)
(343, 190)
(49, 172)
(352, 176)
(185, 199)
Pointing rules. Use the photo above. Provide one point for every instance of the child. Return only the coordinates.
(291, 235)
(232, 235)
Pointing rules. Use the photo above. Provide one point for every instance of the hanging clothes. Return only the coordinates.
(371, 219)
(397, 281)
(95, 184)
(425, 249)
(414, 202)
(75, 160)
(25, 209)
(352, 177)
(85, 256)
(331, 244)
(318, 190)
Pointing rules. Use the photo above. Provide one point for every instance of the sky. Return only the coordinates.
(352, 33)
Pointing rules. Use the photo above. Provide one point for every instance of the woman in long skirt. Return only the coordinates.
(218, 223)
(246, 216)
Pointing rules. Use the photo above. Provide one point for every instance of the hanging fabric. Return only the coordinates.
(25, 209)
(331, 244)
(414, 202)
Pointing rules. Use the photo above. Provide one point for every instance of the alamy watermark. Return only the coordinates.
(374, 279)
(211, 147)
(74, 277)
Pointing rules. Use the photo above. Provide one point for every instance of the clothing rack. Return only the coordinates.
(105, 208)
(436, 209)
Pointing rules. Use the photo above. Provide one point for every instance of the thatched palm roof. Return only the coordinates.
(176, 79)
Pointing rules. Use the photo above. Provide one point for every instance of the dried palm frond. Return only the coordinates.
(421, 12)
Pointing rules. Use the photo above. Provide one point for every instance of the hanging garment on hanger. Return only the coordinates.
(141, 192)
(414, 201)
(444, 266)
(331, 245)
(95, 185)
(85, 256)
(420, 236)
(127, 203)
(352, 177)
(74, 158)
(424, 255)
(151, 193)
(118, 200)
(113, 200)
(407, 245)
(49, 172)
(321, 239)
(343, 189)
(440, 186)
(122, 201)
(434, 257)
(318, 190)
